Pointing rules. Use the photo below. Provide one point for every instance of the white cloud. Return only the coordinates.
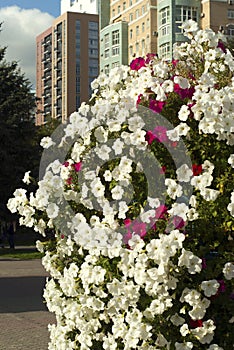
(19, 30)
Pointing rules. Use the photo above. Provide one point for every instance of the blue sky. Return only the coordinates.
(50, 6)
(22, 21)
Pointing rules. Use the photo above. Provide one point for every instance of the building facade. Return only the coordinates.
(134, 22)
(219, 16)
(67, 62)
(171, 14)
(44, 75)
(150, 26)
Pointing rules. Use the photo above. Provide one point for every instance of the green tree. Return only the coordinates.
(17, 129)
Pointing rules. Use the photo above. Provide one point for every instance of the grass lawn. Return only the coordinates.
(20, 253)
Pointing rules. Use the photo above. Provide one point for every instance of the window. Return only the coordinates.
(77, 85)
(77, 101)
(183, 13)
(137, 47)
(143, 45)
(93, 30)
(107, 53)
(165, 30)
(164, 16)
(137, 13)
(143, 27)
(113, 12)
(131, 50)
(131, 33)
(119, 9)
(130, 17)
(107, 69)
(106, 41)
(93, 71)
(115, 64)
(147, 22)
(164, 50)
(124, 5)
(93, 25)
(115, 50)
(143, 10)
(230, 30)
(93, 43)
(115, 37)
(137, 30)
(230, 14)
(93, 53)
(130, 2)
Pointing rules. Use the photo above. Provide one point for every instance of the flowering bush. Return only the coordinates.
(139, 191)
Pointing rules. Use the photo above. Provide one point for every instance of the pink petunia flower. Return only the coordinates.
(197, 169)
(150, 137)
(77, 166)
(137, 63)
(156, 106)
(195, 323)
(178, 222)
(160, 133)
(160, 212)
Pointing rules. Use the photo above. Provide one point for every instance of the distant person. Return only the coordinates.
(11, 233)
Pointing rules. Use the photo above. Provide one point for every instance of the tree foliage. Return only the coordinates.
(17, 129)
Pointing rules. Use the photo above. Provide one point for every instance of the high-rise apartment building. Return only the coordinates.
(144, 26)
(218, 15)
(67, 62)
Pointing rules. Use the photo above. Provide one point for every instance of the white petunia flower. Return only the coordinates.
(191, 261)
(230, 207)
(97, 188)
(184, 346)
(231, 160)
(177, 320)
(184, 330)
(190, 26)
(179, 209)
(27, 178)
(117, 192)
(153, 202)
(210, 287)
(182, 82)
(52, 210)
(182, 129)
(47, 142)
(173, 135)
(103, 152)
(107, 176)
(135, 123)
(228, 271)
(101, 134)
(123, 208)
(209, 194)
(184, 113)
(118, 146)
(184, 173)
(214, 347)
(174, 190)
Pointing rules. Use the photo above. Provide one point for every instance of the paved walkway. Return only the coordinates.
(23, 314)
